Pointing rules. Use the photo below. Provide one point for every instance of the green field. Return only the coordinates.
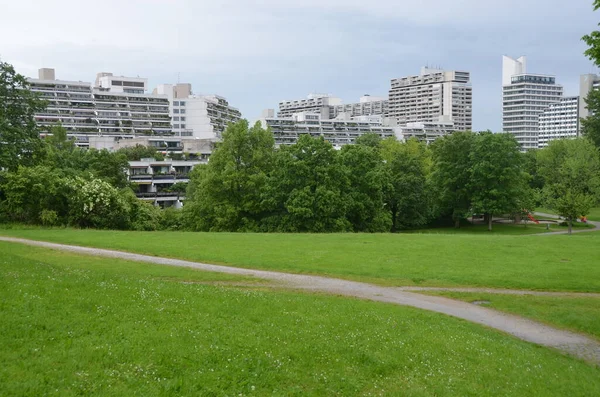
(579, 314)
(500, 229)
(79, 325)
(559, 262)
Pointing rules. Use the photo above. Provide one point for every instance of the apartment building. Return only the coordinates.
(525, 96)
(587, 83)
(198, 116)
(433, 96)
(322, 104)
(366, 106)
(559, 120)
(339, 131)
(426, 132)
(115, 106)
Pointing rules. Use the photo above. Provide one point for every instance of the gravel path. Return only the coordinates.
(501, 291)
(527, 330)
(552, 216)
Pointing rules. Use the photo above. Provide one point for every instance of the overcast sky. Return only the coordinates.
(256, 53)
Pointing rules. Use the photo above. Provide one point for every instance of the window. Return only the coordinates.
(182, 111)
(182, 118)
(175, 126)
(176, 103)
(182, 125)
(182, 103)
(176, 111)
(175, 118)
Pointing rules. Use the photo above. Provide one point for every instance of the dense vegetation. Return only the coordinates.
(250, 185)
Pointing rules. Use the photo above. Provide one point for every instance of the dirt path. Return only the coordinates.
(527, 330)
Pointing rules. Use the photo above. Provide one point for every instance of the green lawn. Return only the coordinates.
(75, 325)
(594, 214)
(566, 263)
(499, 229)
(581, 314)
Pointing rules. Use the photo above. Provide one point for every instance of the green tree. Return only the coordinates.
(306, 189)
(590, 126)
(138, 152)
(571, 171)
(365, 172)
(19, 134)
(407, 168)
(498, 181)
(451, 176)
(371, 139)
(226, 194)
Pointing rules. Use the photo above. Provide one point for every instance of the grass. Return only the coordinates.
(580, 314)
(75, 325)
(594, 214)
(561, 263)
(499, 229)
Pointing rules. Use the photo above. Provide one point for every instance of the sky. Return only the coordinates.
(257, 53)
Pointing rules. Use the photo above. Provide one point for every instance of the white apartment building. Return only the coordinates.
(322, 104)
(198, 116)
(426, 132)
(559, 120)
(587, 83)
(367, 106)
(339, 132)
(117, 106)
(433, 96)
(525, 96)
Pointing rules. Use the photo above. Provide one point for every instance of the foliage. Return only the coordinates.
(590, 126)
(226, 194)
(571, 171)
(138, 152)
(19, 134)
(498, 181)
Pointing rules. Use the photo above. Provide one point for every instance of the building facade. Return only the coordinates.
(366, 106)
(525, 97)
(434, 96)
(112, 108)
(426, 132)
(322, 104)
(587, 83)
(339, 132)
(198, 116)
(559, 120)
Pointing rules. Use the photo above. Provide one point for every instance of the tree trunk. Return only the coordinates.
(457, 223)
(570, 225)
(490, 217)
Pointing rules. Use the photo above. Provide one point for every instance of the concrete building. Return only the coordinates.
(559, 120)
(367, 106)
(587, 83)
(433, 96)
(198, 116)
(322, 104)
(426, 132)
(525, 96)
(340, 131)
(112, 108)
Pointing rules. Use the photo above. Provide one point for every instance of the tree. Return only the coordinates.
(407, 168)
(138, 152)
(571, 171)
(452, 164)
(591, 124)
(306, 189)
(498, 182)
(364, 169)
(19, 134)
(226, 194)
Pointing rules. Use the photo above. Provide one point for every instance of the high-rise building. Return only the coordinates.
(198, 116)
(367, 106)
(117, 106)
(322, 104)
(559, 120)
(525, 96)
(587, 83)
(434, 96)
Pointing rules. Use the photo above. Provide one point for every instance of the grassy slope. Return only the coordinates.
(574, 313)
(500, 229)
(524, 262)
(74, 325)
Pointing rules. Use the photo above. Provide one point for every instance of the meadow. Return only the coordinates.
(80, 325)
(553, 263)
